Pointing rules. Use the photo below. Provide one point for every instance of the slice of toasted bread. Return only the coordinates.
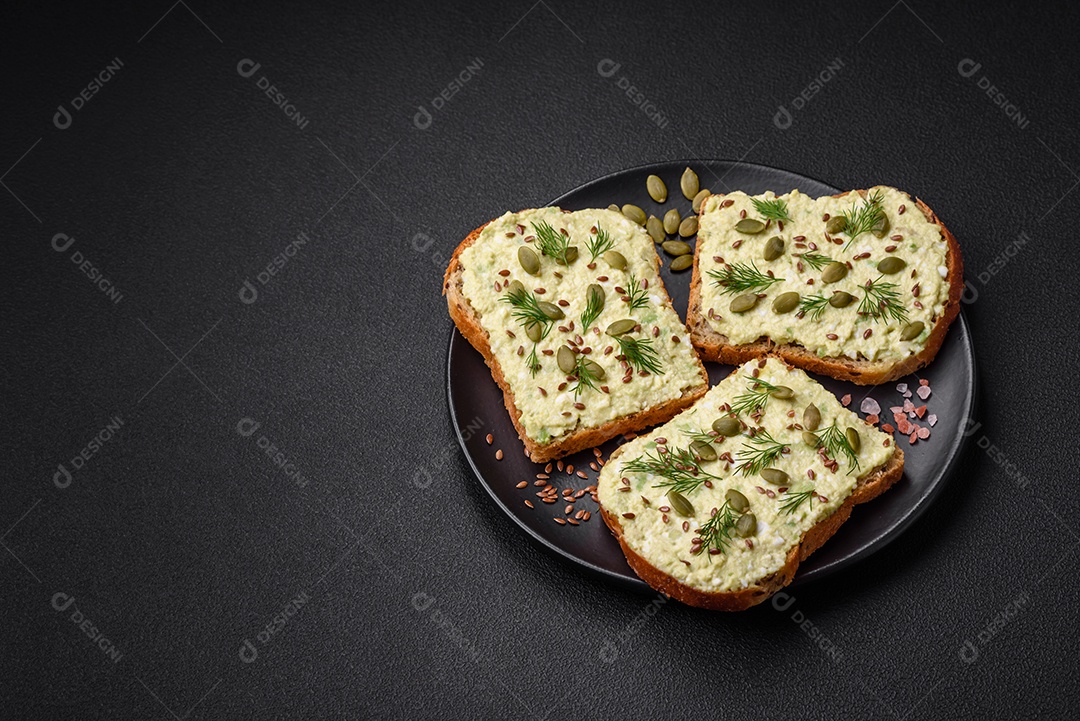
(658, 541)
(807, 345)
(551, 420)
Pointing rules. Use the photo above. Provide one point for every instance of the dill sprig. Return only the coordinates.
(759, 452)
(594, 306)
(813, 305)
(835, 442)
(637, 296)
(680, 469)
(863, 219)
(701, 436)
(552, 243)
(793, 499)
(640, 354)
(586, 373)
(775, 209)
(532, 362)
(880, 300)
(599, 243)
(741, 277)
(527, 310)
(817, 261)
(755, 399)
(716, 532)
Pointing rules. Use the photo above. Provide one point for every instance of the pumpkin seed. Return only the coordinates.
(671, 221)
(595, 294)
(634, 213)
(911, 331)
(689, 184)
(880, 226)
(530, 261)
(891, 265)
(736, 500)
(621, 327)
(774, 248)
(853, 439)
(833, 272)
(655, 227)
(596, 369)
(657, 189)
(566, 359)
(680, 504)
(703, 450)
(810, 439)
(688, 226)
(785, 302)
(811, 418)
(571, 256)
(782, 392)
(743, 303)
(683, 262)
(699, 199)
(775, 476)
(727, 426)
(840, 299)
(515, 287)
(836, 224)
(614, 207)
(676, 247)
(749, 226)
(746, 526)
(615, 259)
(551, 310)
(535, 332)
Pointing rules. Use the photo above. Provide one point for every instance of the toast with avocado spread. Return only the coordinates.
(860, 286)
(571, 316)
(717, 507)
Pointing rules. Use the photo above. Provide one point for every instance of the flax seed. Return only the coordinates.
(631, 516)
(529, 503)
(499, 455)
(560, 521)
(522, 484)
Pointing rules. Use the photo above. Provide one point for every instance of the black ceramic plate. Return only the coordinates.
(476, 405)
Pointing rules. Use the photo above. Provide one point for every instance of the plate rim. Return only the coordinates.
(897, 529)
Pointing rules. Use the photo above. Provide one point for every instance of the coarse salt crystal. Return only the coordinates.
(846, 400)
(923, 433)
(932, 419)
(924, 392)
(870, 406)
(901, 388)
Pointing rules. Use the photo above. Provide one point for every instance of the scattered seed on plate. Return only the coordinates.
(490, 439)
(499, 455)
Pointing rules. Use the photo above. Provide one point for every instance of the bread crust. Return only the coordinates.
(467, 321)
(715, 347)
(870, 486)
